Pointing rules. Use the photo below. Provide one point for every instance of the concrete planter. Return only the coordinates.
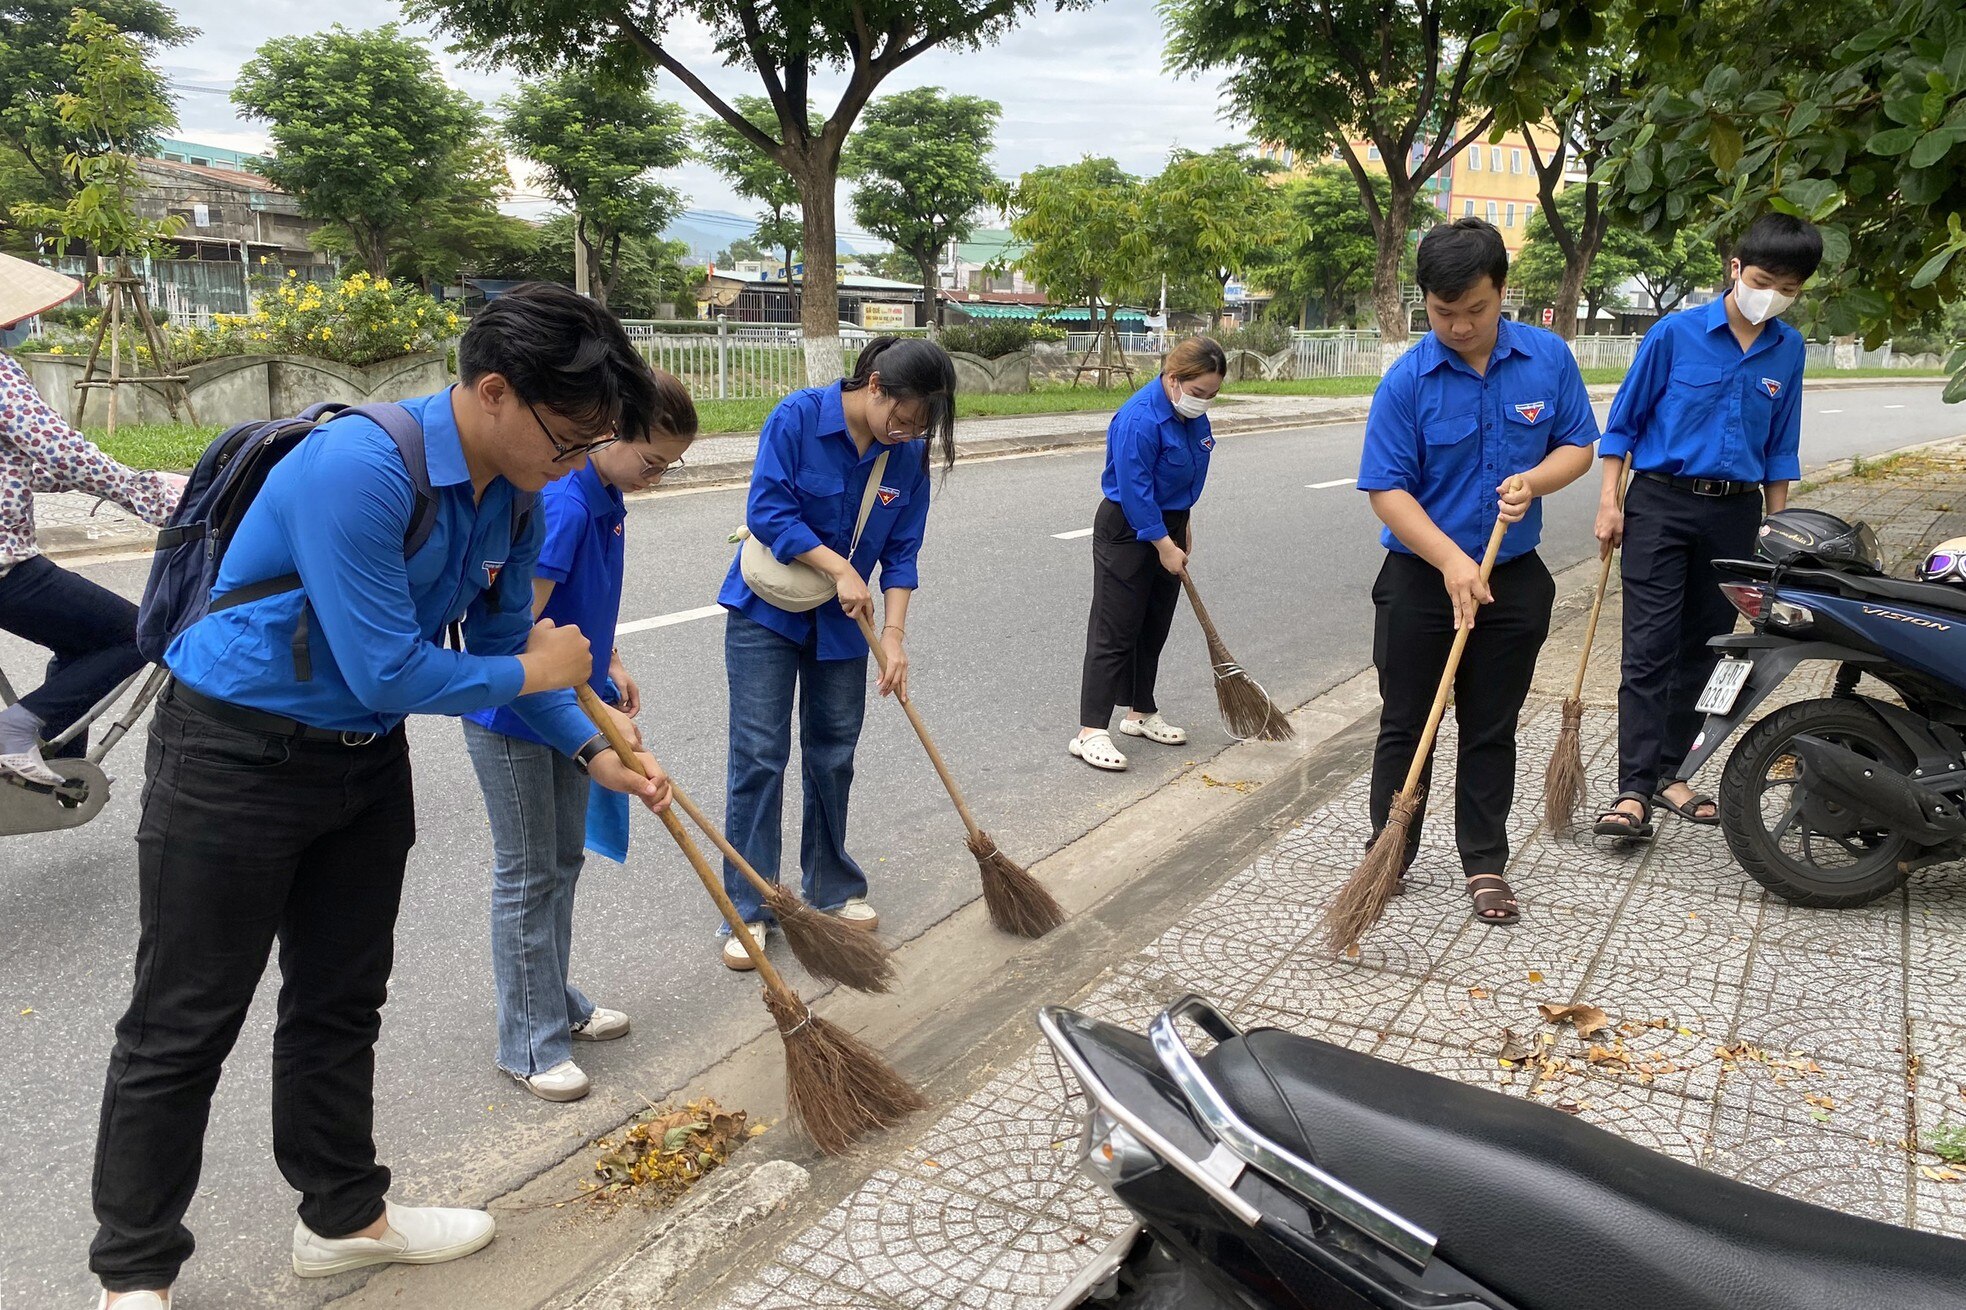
(243, 388)
(1008, 375)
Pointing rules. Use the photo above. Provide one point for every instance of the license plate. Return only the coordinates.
(1724, 686)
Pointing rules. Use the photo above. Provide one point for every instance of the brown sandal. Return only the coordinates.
(1499, 897)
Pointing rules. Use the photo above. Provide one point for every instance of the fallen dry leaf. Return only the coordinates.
(1513, 1047)
(1479, 993)
(1586, 1019)
(1535, 975)
(1605, 1056)
(1241, 786)
(1817, 1098)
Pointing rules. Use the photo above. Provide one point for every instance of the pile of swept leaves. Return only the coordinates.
(665, 1151)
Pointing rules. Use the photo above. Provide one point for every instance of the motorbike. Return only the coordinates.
(1279, 1172)
(27, 807)
(1834, 801)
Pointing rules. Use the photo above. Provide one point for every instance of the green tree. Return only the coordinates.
(651, 279)
(1669, 267)
(1542, 271)
(1851, 113)
(1214, 216)
(1318, 75)
(861, 42)
(365, 132)
(36, 70)
(759, 177)
(1329, 250)
(920, 164)
(737, 252)
(595, 141)
(116, 102)
(1087, 231)
(461, 227)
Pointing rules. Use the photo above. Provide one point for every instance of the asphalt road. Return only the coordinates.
(1287, 551)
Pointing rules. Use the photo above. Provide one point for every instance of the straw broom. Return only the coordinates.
(836, 1087)
(1247, 711)
(1018, 903)
(1563, 781)
(1375, 882)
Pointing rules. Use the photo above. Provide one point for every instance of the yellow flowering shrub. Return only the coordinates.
(358, 320)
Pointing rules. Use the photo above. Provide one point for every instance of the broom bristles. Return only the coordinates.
(1248, 713)
(1373, 884)
(1018, 903)
(1563, 781)
(836, 1087)
(829, 949)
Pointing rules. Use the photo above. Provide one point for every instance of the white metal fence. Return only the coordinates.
(737, 361)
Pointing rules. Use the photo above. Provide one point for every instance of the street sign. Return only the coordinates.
(1549, 317)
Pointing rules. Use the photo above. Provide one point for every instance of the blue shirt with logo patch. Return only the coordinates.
(1155, 460)
(335, 511)
(584, 556)
(806, 488)
(1695, 405)
(1449, 436)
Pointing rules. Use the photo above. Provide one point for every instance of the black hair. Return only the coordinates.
(1782, 245)
(559, 349)
(674, 414)
(1454, 256)
(914, 368)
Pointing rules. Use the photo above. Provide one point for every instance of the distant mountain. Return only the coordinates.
(707, 231)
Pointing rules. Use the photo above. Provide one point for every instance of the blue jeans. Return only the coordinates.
(764, 670)
(537, 799)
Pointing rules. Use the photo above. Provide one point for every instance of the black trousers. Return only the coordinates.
(1673, 608)
(90, 631)
(1412, 635)
(1133, 604)
(246, 839)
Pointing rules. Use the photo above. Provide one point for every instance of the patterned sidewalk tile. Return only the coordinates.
(1660, 1120)
(1826, 1169)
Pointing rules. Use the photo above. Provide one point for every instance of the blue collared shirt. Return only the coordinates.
(806, 488)
(1695, 405)
(1449, 436)
(1155, 460)
(584, 556)
(335, 511)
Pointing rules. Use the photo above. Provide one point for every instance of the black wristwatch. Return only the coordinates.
(583, 758)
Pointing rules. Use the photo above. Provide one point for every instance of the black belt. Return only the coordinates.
(271, 725)
(1704, 486)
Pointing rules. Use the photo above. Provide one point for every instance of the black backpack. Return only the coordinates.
(191, 547)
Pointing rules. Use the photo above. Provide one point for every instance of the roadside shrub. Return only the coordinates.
(1263, 337)
(992, 338)
(1046, 331)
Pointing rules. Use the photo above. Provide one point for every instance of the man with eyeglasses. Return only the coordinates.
(278, 804)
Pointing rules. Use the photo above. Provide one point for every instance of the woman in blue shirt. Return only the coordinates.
(1157, 450)
(816, 455)
(537, 797)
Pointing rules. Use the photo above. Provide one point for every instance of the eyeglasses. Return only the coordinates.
(563, 452)
(655, 468)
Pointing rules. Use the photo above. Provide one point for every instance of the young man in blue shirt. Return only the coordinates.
(1477, 422)
(277, 804)
(1711, 414)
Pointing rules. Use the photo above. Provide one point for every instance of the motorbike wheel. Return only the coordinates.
(1762, 810)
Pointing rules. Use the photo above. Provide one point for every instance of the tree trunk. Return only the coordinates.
(931, 307)
(1568, 292)
(1391, 238)
(372, 248)
(819, 317)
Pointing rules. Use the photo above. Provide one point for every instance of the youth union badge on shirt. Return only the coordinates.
(1208, 442)
(888, 494)
(1532, 410)
(492, 569)
(1772, 386)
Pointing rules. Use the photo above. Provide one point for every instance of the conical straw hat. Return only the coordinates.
(30, 288)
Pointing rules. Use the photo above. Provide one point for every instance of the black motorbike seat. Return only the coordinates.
(1556, 1214)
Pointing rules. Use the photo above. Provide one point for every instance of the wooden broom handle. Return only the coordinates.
(921, 730)
(1194, 601)
(1603, 582)
(1419, 764)
(624, 748)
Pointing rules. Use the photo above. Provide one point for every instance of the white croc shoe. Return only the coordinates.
(565, 1081)
(856, 913)
(735, 956)
(136, 1301)
(1154, 728)
(1098, 751)
(602, 1026)
(415, 1235)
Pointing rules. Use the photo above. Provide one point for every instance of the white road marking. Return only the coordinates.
(1829, 411)
(1071, 536)
(668, 620)
(1894, 407)
(1326, 486)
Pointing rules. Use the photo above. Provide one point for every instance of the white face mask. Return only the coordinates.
(1759, 304)
(1188, 406)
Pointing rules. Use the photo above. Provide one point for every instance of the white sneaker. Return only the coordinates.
(136, 1301)
(735, 956)
(602, 1026)
(858, 914)
(563, 1082)
(1154, 728)
(28, 766)
(416, 1235)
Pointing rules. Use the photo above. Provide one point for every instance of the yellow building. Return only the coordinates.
(1496, 182)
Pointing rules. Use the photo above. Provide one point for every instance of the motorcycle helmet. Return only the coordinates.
(1945, 562)
(1810, 538)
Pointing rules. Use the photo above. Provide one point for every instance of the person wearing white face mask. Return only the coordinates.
(1711, 416)
(1157, 451)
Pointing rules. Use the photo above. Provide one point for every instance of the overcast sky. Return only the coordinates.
(1070, 84)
